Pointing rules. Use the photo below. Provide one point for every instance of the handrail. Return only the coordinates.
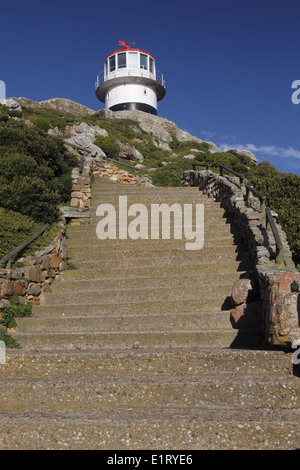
(239, 175)
(157, 76)
(269, 219)
(279, 246)
(200, 164)
(262, 198)
(7, 258)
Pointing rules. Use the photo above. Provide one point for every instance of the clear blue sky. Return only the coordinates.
(229, 64)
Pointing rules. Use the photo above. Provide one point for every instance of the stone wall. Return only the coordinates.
(37, 275)
(272, 298)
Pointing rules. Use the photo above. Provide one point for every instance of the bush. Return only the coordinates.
(35, 171)
(16, 310)
(9, 341)
(108, 145)
(282, 191)
(15, 228)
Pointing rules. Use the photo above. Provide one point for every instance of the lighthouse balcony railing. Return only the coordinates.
(128, 72)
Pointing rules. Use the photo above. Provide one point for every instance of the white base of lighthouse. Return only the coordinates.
(132, 96)
(131, 92)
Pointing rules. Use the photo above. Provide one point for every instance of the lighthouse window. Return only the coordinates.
(112, 63)
(122, 60)
(133, 59)
(144, 61)
(151, 64)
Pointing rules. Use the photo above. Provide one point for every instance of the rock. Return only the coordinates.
(33, 289)
(5, 273)
(281, 307)
(63, 266)
(6, 288)
(33, 273)
(240, 291)
(84, 144)
(4, 303)
(55, 261)
(19, 287)
(11, 103)
(247, 315)
(129, 152)
(139, 166)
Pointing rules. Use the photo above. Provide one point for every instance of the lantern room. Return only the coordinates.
(130, 81)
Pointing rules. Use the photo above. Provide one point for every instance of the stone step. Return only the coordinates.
(131, 271)
(216, 338)
(158, 322)
(76, 240)
(210, 221)
(211, 428)
(104, 394)
(96, 243)
(200, 304)
(145, 294)
(207, 262)
(209, 206)
(89, 253)
(171, 281)
(146, 364)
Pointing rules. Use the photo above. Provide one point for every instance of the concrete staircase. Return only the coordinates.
(134, 349)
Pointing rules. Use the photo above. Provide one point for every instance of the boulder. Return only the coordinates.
(240, 291)
(6, 288)
(33, 273)
(19, 287)
(33, 289)
(247, 315)
(11, 104)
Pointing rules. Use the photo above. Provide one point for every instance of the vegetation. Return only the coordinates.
(282, 191)
(8, 341)
(16, 310)
(35, 170)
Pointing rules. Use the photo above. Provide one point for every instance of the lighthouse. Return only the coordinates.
(130, 81)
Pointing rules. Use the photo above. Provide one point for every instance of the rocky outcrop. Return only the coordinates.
(158, 126)
(82, 137)
(59, 104)
(11, 103)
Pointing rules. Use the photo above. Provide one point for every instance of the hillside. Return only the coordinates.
(148, 143)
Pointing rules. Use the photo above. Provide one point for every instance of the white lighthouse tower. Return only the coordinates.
(130, 81)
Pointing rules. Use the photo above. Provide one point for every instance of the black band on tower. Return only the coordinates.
(134, 106)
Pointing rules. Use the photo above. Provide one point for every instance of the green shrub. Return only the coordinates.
(108, 145)
(15, 228)
(282, 191)
(35, 171)
(16, 310)
(9, 342)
